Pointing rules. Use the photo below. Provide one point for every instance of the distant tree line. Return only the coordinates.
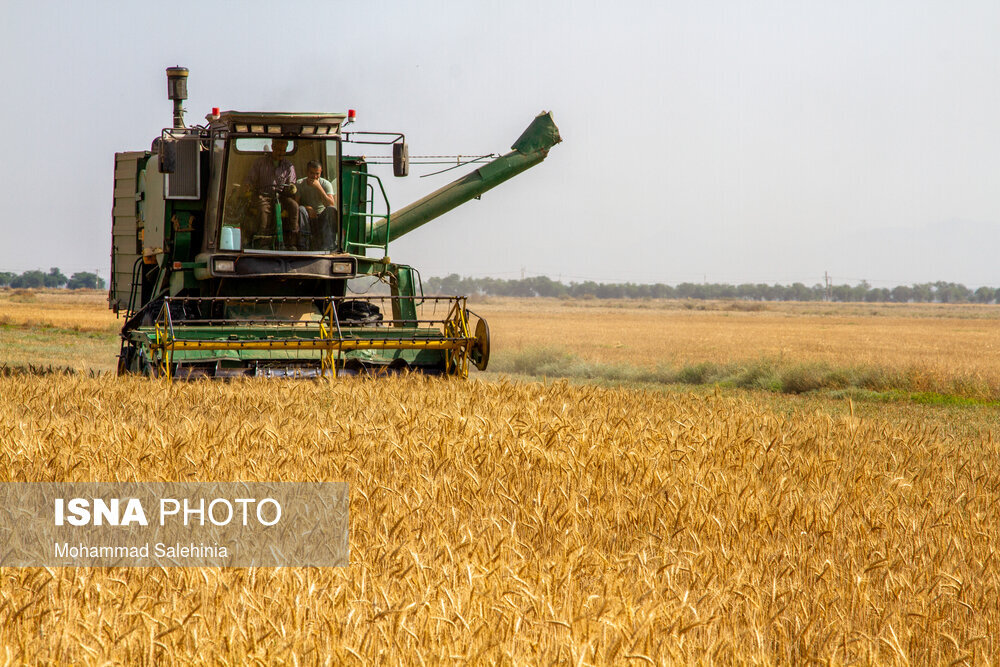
(54, 278)
(938, 292)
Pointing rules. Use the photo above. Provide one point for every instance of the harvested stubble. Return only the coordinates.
(73, 310)
(524, 523)
(937, 343)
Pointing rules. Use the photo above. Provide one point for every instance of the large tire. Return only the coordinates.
(135, 361)
(480, 354)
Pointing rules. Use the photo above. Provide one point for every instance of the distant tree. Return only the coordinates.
(545, 286)
(446, 285)
(951, 292)
(639, 291)
(799, 292)
(55, 278)
(29, 279)
(901, 294)
(610, 291)
(878, 295)
(747, 291)
(923, 293)
(585, 289)
(686, 290)
(943, 292)
(859, 291)
(84, 280)
(661, 291)
(6, 277)
(724, 291)
(841, 293)
(985, 295)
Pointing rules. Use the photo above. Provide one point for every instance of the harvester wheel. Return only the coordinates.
(126, 359)
(134, 360)
(480, 353)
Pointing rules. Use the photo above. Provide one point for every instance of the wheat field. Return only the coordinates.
(527, 523)
(943, 342)
(523, 523)
(947, 348)
(76, 310)
(947, 342)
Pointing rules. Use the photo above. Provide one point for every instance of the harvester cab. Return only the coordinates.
(234, 241)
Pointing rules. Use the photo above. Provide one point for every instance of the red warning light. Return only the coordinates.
(215, 111)
(351, 115)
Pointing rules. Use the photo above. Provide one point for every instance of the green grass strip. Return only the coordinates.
(779, 376)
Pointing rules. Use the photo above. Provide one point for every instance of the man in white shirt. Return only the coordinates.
(317, 207)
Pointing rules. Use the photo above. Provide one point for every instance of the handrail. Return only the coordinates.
(135, 283)
(367, 232)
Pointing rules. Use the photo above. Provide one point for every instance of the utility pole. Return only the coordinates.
(829, 286)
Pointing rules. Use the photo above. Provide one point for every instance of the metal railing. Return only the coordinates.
(365, 231)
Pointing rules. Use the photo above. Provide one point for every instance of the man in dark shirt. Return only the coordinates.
(272, 176)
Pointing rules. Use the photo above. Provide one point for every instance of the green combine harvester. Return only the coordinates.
(218, 275)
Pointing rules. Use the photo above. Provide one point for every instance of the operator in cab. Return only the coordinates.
(317, 208)
(272, 177)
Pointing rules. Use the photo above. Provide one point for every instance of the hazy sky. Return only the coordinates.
(727, 141)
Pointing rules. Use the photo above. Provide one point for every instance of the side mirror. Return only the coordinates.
(168, 156)
(400, 159)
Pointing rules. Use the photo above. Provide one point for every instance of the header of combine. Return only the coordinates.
(233, 243)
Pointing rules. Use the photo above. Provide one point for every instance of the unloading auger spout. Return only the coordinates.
(531, 148)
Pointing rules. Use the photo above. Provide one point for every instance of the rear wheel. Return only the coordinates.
(480, 353)
(134, 360)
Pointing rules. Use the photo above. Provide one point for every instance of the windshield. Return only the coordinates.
(281, 194)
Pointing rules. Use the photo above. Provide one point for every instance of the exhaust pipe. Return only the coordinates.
(177, 90)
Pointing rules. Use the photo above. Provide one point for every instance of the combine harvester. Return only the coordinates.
(212, 287)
